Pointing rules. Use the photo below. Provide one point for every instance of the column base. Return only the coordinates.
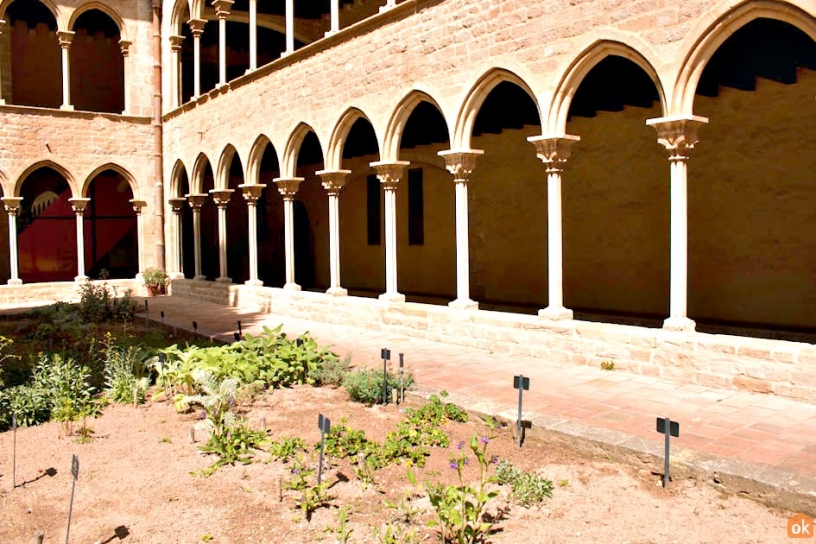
(177, 276)
(291, 287)
(555, 313)
(286, 54)
(385, 8)
(15, 281)
(330, 33)
(254, 283)
(200, 277)
(249, 70)
(463, 304)
(223, 279)
(679, 324)
(66, 108)
(392, 297)
(2, 102)
(337, 292)
(80, 278)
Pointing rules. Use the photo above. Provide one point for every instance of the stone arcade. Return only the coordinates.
(577, 181)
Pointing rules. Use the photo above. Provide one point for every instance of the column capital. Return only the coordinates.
(65, 38)
(678, 134)
(554, 149)
(252, 191)
(196, 200)
(2, 26)
(222, 196)
(333, 180)
(196, 26)
(124, 46)
(222, 8)
(288, 187)
(175, 42)
(138, 205)
(12, 204)
(79, 204)
(390, 172)
(177, 204)
(461, 162)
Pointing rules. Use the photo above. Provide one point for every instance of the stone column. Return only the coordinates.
(461, 164)
(12, 205)
(390, 173)
(178, 255)
(222, 198)
(124, 46)
(335, 18)
(288, 187)
(65, 39)
(252, 192)
(137, 207)
(679, 136)
(2, 100)
(175, 70)
(196, 29)
(79, 205)
(196, 201)
(253, 35)
(333, 182)
(222, 11)
(554, 152)
(389, 4)
(290, 27)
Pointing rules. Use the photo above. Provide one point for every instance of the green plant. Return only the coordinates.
(608, 365)
(341, 442)
(287, 448)
(396, 533)
(66, 385)
(563, 483)
(313, 497)
(300, 474)
(165, 440)
(127, 374)
(342, 530)
(460, 509)
(155, 276)
(99, 303)
(366, 385)
(528, 488)
(331, 371)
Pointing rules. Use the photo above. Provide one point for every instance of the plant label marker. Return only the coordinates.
(75, 474)
(146, 306)
(521, 383)
(324, 425)
(402, 373)
(14, 454)
(162, 319)
(669, 428)
(236, 336)
(240, 332)
(195, 327)
(385, 355)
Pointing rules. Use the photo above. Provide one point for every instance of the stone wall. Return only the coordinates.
(768, 366)
(40, 294)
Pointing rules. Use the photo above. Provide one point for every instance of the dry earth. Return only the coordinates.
(136, 474)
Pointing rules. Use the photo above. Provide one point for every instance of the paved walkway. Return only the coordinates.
(754, 428)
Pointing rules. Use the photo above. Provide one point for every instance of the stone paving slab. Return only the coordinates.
(752, 443)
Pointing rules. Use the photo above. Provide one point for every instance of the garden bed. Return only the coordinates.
(135, 478)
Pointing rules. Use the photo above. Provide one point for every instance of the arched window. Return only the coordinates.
(35, 75)
(97, 64)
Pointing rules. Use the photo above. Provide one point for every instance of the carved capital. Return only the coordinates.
(461, 162)
(65, 38)
(196, 201)
(196, 27)
(2, 26)
(222, 8)
(252, 192)
(12, 205)
(222, 196)
(288, 187)
(333, 180)
(138, 205)
(175, 43)
(124, 46)
(177, 204)
(390, 173)
(678, 134)
(554, 150)
(79, 204)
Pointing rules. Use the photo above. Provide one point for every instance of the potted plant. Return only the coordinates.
(155, 280)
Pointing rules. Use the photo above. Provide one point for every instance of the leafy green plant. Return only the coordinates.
(313, 497)
(331, 371)
(342, 530)
(528, 488)
(99, 302)
(341, 442)
(366, 385)
(396, 533)
(460, 508)
(287, 448)
(67, 386)
(300, 474)
(127, 376)
(29, 403)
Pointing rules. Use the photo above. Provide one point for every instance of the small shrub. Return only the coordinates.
(366, 385)
(287, 448)
(528, 488)
(331, 371)
(341, 442)
(126, 372)
(608, 365)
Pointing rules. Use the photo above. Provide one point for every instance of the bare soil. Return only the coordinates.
(135, 485)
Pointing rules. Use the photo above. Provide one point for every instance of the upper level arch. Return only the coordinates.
(46, 163)
(59, 16)
(475, 98)
(578, 69)
(134, 187)
(107, 10)
(339, 137)
(180, 11)
(397, 121)
(706, 37)
(290, 152)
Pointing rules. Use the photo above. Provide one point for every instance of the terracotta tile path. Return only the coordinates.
(739, 425)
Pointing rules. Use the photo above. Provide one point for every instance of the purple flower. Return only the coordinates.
(454, 465)
(295, 471)
(202, 415)
(467, 461)
(460, 445)
(494, 460)
(485, 440)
